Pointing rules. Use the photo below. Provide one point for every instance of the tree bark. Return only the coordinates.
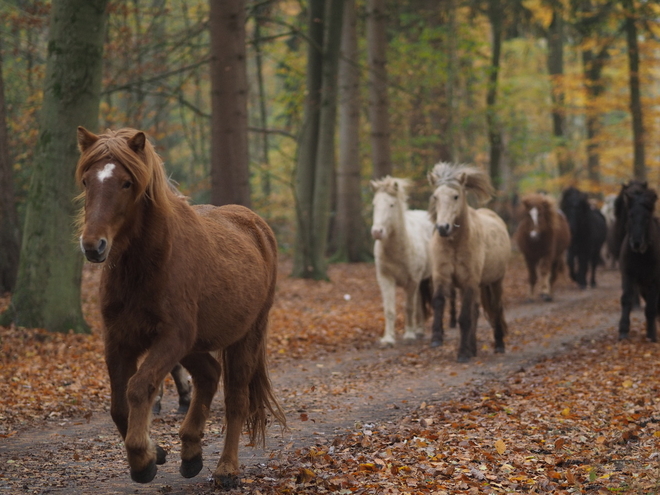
(9, 229)
(230, 179)
(378, 98)
(639, 165)
(555, 64)
(350, 236)
(593, 67)
(47, 292)
(308, 143)
(263, 111)
(494, 133)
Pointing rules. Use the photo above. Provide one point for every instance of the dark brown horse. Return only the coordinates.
(182, 284)
(542, 236)
(639, 259)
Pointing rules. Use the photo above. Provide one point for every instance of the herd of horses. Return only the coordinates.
(192, 286)
(467, 249)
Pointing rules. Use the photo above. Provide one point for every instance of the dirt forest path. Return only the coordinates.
(323, 396)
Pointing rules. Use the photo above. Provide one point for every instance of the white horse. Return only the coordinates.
(401, 249)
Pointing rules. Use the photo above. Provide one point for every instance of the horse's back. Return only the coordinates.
(497, 245)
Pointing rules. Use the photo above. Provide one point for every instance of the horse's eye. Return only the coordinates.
(456, 198)
(84, 183)
(392, 205)
(127, 184)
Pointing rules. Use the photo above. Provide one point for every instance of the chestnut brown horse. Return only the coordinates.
(543, 235)
(181, 284)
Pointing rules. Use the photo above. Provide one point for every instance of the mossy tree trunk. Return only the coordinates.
(47, 292)
(9, 230)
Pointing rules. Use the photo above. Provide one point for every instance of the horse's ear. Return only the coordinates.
(137, 142)
(85, 139)
(462, 179)
(430, 177)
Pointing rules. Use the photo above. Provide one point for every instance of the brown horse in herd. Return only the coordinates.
(181, 284)
(543, 235)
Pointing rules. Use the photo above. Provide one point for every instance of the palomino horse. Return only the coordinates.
(542, 236)
(588, 233)
(639, 260)
(469, 249)
(179, 284)
(401, 248)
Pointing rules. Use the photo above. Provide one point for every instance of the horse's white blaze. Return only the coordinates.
(448, 206)
(534, 213)
(107, 171)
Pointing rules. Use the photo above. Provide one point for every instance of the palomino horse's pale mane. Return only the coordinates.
(456, 175)
(393, 186)
(144, 165)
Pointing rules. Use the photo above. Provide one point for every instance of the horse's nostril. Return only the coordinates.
(103, 244)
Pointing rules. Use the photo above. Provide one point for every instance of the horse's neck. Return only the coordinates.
(146, 240)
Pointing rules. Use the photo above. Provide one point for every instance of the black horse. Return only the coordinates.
(639, 260)
(588, 233)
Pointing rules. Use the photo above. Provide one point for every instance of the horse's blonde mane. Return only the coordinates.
(471, 178)
(393, 186)
(145, 166)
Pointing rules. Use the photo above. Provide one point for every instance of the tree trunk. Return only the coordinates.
(350, 236)
(230, 179)
(263, 113)
(325, 155)
(593, 67)
(639, 165)
(308, 142)
(494, 132)
(47, 292)
(9, 231)
(556, 71)
(378, 99)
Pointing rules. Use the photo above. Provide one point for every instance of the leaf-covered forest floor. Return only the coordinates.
(568, 408)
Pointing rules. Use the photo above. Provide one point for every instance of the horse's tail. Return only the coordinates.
(426, 291)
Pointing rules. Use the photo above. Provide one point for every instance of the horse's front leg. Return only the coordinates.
(388, 292)
(583, 266)
(467, 324)
(413, 300)
(570, 261)
(627, 297)
(122, 365)
(545, 272)
(531, 272)
(143, 454)
(205, 371)
(438, 302)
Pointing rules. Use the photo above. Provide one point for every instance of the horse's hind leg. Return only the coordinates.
(438, 302)
(183, 387)
(240, 363)
(452, 308)
(651, 312)
(412, 316)
(467, 323)
(205, 372)
(491, 300)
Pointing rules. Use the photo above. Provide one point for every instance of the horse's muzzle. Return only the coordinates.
(96, 253)
(443, 230)
(638, 246)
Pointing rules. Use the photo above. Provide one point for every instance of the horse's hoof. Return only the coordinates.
(385, 344)
(161, 455)
(191, 467)
(546, 297)
(183, 409)
(463, 359)
(624, 336)
(499, 349)
(146, 475)
(226, 481)
(155, 409)
(436, 343)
